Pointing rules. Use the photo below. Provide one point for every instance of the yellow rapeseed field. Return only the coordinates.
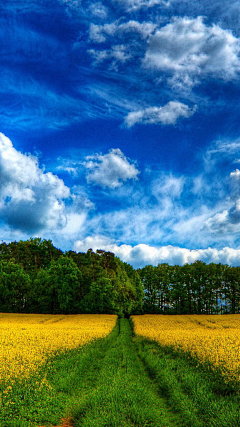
(26, 340)
(211, 338)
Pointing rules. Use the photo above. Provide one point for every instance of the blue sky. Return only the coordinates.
(120, 127)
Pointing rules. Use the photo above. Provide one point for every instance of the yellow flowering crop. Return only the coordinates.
(26, 340)
(213, 338)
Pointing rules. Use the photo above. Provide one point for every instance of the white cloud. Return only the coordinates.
(224, 147)
(118, 53)
(134, 5)
(141, 255)
(190, 50)
(123, 51)
(99, 10)
(235, 175)
(166, 115)
(228, 220)
(163, 210)
(71, 4)
(99, 33)
(110, 170)
(74, 224)
(71, 170)
(30, 198)
(167, 186)
(219, 224)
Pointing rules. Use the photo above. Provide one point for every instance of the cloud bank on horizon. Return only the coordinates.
(119, 127)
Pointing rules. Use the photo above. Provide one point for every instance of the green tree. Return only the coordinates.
(14, 288)
(41, 293)
(137, 284)
(101, 298)
(150, 280)
(31, 254)
(64, 278)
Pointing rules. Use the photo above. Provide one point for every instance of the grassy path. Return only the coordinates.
(122, 381)
(125, 395)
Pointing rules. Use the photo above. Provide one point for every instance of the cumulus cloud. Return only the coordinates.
(110, 170)
(141, 255)
(225, 222)
(99, 33)
(30, 199)
(189, 50)
(166, 115)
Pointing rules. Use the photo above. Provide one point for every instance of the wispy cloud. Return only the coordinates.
(166, 115)
(72, 72)
(135, 5)
(118, 54)
(100, 33)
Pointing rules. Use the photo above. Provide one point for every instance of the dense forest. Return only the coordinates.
(36, 277)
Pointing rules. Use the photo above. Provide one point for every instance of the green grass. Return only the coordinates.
(124, 395)
(194, 392)
(70, 378)
(121, 381)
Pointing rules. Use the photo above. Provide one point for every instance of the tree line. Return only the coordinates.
(195, 288)
(37, 277)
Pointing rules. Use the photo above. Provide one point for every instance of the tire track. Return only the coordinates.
(125, 395)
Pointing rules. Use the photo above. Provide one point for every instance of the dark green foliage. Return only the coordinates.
(197, 288)
(31, 254)
(66, 283)
(40, 295)
(101, 297)
(98, 282)
(57, 289)
(14, 287)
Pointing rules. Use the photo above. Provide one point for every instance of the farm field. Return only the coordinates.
(121, 379)
(27, 340)
(212, 339)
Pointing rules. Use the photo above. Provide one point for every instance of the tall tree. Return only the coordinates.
(14, 287)
(64, 279)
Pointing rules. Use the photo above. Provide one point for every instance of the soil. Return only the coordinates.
(66, 422)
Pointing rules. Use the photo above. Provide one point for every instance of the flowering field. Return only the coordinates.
(215, 339)
(28, 339)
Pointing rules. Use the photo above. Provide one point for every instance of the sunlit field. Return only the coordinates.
(28, 339)
(120, 379)
(214, 339)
